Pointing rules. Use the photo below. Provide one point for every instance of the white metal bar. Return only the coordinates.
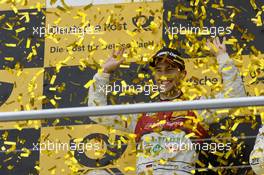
(132, 108)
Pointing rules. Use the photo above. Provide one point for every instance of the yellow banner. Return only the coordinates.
(203, 72)
(82, 35)
(22, 4)
(25, 89)
(86, 149)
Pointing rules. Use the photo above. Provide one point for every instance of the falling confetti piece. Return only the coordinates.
(89, 83)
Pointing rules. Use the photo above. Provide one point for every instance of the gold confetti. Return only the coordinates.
(235, 126)
(200, 163)
(78, 140)
(9, 58)
(232, 26)
(53, 78)
(53, 102)
(20, 29)
(9, 143)
(253, 4)
(89, 83)
(257, 21)
(10, 45)
(169, 16)
(28, 43)
(227, 68)
(14, 9)
(129, 168)
(222, 111)
(190, 135)
(231, 41)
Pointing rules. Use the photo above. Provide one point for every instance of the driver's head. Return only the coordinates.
(169, 69)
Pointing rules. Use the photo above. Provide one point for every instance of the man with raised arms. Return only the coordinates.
(169, 71)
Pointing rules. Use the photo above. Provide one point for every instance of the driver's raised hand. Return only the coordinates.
(114, 61)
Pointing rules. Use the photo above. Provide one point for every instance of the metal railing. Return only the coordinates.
(132, 108)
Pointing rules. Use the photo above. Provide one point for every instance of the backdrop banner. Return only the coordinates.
(50, 51)
(84, 148)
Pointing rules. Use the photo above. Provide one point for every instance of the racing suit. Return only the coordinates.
(171, 125)
(257, 155)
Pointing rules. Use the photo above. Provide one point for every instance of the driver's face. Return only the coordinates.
(167, 75)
